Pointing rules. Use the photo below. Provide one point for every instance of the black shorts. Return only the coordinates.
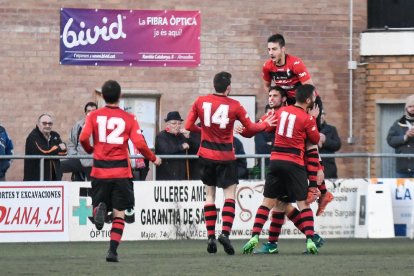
(286, 181)
(117, 193)
(218, 174)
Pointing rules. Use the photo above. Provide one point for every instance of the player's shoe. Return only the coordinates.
(108, 218)
(251, 244)
(130, 215)
(323, 201)
(211, 245)
(313, 194)
(112, 257)
(318, 240)
(267, 248)
(311, 247)
(225, 242)
(100, 215)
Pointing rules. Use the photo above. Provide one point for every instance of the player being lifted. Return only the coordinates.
(218, 167)
(112, 186)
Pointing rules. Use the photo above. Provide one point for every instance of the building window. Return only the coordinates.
(389, 14)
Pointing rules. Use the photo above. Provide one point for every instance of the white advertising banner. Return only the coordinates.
(60, 211)
(402, 191)
(81, 227)
(33, 211)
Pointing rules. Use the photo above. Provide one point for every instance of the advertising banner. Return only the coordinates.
(147, 38)
(33, 211)
(402, 191)
(174, 210)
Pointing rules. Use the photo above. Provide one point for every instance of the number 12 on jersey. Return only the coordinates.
(115, 123)
(220, 116)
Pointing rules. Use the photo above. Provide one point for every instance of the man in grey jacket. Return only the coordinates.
(401, 138)
(80, 168)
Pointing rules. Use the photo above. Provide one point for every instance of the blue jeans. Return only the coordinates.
(405, 174)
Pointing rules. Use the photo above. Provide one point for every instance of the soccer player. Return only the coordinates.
(289, 72)
(218, 167)
(276, 100)
(111, 127)
(287, 178)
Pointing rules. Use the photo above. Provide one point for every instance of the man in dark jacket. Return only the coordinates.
(6, 148)
(328, 144)
(43, 141)
(401, 138)
(172, 142)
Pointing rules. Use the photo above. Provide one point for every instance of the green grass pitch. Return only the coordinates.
(189, 257)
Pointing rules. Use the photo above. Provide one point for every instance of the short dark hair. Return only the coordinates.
(221, 81)
(91, 104)
(111, 91)
(282, 91)
(277, 38)
(304, 92)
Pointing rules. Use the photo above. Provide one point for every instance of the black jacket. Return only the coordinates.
(170, 144)
(36, 144)
(331, 145)
(395, 139)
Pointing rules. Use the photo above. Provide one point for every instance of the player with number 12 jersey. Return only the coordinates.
(111, 128)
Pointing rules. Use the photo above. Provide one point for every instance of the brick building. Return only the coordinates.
(233, 38)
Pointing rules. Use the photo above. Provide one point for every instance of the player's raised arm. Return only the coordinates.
(139, 142)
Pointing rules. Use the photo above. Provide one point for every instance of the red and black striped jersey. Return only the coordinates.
(294, 127)
(111, 128)
(288, 76)
(217, 114)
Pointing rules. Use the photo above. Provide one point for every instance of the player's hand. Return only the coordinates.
(185, 146)
(314, 111)
(238, 129)
(271, 120)
(157, 161)
(320, 177)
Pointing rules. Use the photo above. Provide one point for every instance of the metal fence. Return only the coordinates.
(368, 156)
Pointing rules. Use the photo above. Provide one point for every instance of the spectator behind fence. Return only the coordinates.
(80, 168)
(329, 143)
(401, 138)
(172, 141)
(242, 172)
(43, 141)
(194, 142)
(6, 148)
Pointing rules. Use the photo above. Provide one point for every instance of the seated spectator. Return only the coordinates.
(43, 141)
(172, 141)
(80, 168)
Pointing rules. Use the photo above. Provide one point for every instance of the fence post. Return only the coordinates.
(369, 166)
(42, 169)
(262, 168)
